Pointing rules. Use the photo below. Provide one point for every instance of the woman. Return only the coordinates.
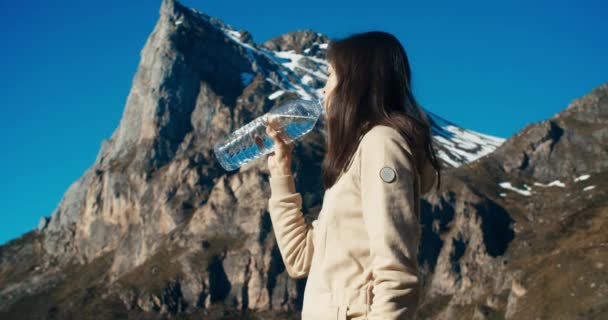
(360, 253)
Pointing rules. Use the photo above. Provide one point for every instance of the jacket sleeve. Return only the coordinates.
(294, 236)
(390, 218)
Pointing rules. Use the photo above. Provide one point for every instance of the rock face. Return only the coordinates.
(516, 234)
(155, 225)
(299, 41)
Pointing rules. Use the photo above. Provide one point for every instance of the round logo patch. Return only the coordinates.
(388, 174)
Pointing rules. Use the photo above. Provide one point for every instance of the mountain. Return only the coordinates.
(155, 228)
(520, 233)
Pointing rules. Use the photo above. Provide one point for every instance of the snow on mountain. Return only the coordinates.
(458, 145)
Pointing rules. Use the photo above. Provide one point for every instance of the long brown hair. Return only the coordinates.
(373, 87)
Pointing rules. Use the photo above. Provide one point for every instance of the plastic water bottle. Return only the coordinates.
(295, 118)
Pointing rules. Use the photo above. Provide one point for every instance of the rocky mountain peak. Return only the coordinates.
(592, 107)
(297, 40)
(551, 149)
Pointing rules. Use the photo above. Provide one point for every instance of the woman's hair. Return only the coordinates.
(373, 87)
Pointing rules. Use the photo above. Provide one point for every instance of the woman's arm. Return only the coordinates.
(294, 236)
(387, 195)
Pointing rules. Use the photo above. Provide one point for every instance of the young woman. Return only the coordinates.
(360, 253)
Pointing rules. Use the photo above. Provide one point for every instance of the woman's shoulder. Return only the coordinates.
(380, 136)
(381, 146)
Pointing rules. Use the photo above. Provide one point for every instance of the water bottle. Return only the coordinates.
(295, 118)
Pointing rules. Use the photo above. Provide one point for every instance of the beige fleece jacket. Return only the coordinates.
(360, 253)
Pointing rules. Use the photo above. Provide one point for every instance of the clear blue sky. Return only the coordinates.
(67, 68)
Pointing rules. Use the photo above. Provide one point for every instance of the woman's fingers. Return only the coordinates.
(272, 133)
(273, 121)
(281, 150)
(282, 147)
(276, 135)
(284, 138)
(279, 159)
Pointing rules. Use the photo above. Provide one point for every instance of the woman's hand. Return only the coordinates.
(279, 160)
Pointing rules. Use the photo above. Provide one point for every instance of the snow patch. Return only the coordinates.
(236, 37)
(462, 145)
(306, 79)
(323, 45)
(234, 34)
(276, 94)
(445, 157)
(178, 22)
(582, 178)
(271, 81)
(587, 188)
(551, 184)
(291, 60)
(507, 185)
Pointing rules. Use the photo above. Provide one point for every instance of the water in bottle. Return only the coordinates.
(294, 118)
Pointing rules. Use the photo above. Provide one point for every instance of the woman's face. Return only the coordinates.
(329, 86)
